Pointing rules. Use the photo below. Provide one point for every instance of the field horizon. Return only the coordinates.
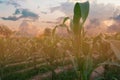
(60, 40)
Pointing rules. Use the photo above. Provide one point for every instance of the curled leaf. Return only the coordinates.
(84, 10)
(81, 11)
(65, 19)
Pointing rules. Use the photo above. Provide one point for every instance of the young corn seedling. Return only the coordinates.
(82, 48)
(82, 60)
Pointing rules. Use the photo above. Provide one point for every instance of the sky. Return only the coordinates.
(104, 15)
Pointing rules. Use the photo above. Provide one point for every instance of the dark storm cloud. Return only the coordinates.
(24, 13)
(17, 11)
(12, 18)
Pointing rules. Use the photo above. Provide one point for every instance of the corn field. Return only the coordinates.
(52, 57)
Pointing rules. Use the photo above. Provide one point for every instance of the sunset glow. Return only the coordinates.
(42, 14)
(59, 39)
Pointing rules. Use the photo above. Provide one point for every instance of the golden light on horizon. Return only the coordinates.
(108, 22)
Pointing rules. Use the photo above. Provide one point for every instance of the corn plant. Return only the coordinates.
(51, 54)
(82, 60)
(82, 47)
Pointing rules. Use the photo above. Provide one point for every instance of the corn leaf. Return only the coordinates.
(81, 11)
(71, 24)
(65, 19)
(54, 30)
(84, 10)
(110, 63)
(76, 18)
(77, 13)
(115, 47)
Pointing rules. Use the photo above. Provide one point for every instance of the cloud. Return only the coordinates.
(117, 18)
(93, 23)
(17, 11)
(43, 12)
(58, 20)
(97, 10)
(1, 2)
(66, 7)
(94, 26)
(24, 13)
(115, 27)
(13, 18)
(50, 22)
(15, 3)
(99, 13)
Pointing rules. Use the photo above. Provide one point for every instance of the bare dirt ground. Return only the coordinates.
(99, 71)
(48, 74)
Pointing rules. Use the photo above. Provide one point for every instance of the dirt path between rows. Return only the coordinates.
(99, 71)
(48, 74)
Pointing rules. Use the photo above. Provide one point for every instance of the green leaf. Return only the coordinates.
(76, 17)
(100, 78)
(81, 11)
(110, 63)
(84, 10)
(65, 19)
(54, 30)
(71, 24)
(77, 13)
(116, 48)
(74, 62)
(88, 67)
